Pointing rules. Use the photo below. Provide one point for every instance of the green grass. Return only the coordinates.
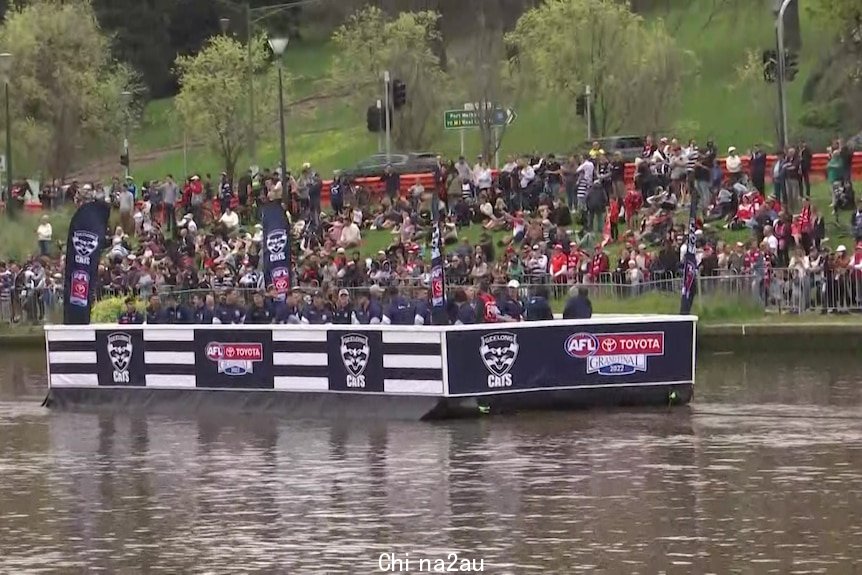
(331, 135)
(18, 236)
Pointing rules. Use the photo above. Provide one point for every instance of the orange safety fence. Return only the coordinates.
(377, 187)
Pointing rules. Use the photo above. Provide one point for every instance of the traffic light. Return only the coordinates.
(791, 65)
(124, 160)
(374, 119)
(581, 105)
(770, 65)
(399, 94)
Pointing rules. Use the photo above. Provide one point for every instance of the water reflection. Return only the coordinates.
(763, 474)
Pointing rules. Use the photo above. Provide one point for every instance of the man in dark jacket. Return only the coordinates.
(597, 200)
(579, 306)
(758, 169)
(805, 159)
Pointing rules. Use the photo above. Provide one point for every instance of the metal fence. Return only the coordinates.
(776, 291)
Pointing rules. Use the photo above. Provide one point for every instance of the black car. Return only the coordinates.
(402, 163)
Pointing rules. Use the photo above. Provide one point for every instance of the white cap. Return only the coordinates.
(514, 284)
(841, 248)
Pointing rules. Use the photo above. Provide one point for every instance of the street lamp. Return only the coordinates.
(252, 16)
(278, 46)
(127, 98)
(5, 70)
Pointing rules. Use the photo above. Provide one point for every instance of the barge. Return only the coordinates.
(383, 371)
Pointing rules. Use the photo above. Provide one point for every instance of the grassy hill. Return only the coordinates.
(329, 134)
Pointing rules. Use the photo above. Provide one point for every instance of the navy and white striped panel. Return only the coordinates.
(72, 358)
(413, 362)
(170, 358)
(299, 360)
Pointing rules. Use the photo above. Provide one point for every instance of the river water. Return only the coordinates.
(762, 474)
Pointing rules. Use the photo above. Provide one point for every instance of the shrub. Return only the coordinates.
(107, 310)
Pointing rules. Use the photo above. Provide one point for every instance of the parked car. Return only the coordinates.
(629, 146)
(402, 163)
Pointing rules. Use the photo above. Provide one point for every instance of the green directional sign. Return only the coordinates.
(460, 119)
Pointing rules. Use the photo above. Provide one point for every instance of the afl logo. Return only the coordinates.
(582, 345)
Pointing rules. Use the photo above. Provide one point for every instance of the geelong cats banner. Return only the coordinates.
(689, 272)
(438, 278)
(83, 250)
(276, 247)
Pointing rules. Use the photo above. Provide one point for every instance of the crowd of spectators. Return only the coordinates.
(542, 221)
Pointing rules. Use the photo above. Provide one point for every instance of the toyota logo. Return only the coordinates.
(609, 345)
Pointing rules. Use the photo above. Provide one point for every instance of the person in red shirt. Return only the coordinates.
(573, 265)
(614, 218)
(599, 265)
(745, 210)
(559, 265)
(196, 197)
(632, 203)
(491, 313)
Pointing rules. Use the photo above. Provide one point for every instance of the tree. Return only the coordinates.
(65, 88)
(836, 81)
(213, 98)
(479, 64)
(634, 69)
(369, 43)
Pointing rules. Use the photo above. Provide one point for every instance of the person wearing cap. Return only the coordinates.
(130, 315)
(509, 303)
(318, 312)
(733, 163)
(343, 314)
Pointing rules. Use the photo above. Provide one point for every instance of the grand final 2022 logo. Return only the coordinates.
(498, 351)
(615, 354)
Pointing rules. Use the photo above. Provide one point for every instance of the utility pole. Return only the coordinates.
(379, 134)
(589, 111)
(387, 101)
(252, 145)
(782, 97)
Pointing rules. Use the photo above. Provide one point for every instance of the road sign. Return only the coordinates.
(460, 119)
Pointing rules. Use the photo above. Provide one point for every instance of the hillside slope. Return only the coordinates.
(324, 131)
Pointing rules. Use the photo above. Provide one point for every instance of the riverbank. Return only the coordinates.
(811, 332)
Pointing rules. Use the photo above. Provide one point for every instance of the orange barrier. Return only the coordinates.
(376, 185)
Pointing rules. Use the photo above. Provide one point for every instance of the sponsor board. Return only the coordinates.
(615, 354)
(240, 359)
(120, 358)
(120, 350)
(235, 359)
(498, 351)
(355, 361)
